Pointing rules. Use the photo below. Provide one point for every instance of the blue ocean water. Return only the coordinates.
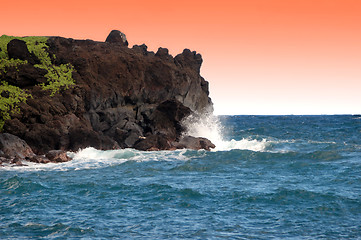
(271, 177)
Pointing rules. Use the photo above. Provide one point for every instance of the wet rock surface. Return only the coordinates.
(57, 156)
(124, 97)
(195, 143)
(15, 152)
(13, 147)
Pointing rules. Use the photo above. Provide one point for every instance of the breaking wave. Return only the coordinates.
(210, 127)
(91, 158)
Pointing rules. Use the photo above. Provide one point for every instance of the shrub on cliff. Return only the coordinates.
(58, 77)
(10, 97)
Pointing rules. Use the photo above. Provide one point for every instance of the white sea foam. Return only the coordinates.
(210, 127)
(91, 158)
(92, 153)
(87, 158)
(244, 144)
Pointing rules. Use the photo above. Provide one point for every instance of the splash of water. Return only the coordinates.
(210, 127)
(91, 158)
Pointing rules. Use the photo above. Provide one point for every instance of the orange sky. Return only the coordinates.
(260, 56)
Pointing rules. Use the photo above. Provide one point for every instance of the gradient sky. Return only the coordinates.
(260, 56)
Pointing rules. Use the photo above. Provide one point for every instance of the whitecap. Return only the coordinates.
(243, 144)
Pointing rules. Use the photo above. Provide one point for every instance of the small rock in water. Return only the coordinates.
(17, 162)
(195, 143)
(57, 156)
(39, 159)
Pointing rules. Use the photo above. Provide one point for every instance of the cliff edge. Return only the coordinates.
(101, 94)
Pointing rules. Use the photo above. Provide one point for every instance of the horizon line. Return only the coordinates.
(346, 114)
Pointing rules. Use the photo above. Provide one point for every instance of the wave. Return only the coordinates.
(317, 201)
(180, 160)
(244, 144)
(210, 127)
(91, 158)
(17, 186)
(92, 153)
(87, 158)
(39, 230)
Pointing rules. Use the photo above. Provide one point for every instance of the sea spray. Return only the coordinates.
(209, 126)
(205, 125)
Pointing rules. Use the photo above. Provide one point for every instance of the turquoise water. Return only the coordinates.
(281, 177)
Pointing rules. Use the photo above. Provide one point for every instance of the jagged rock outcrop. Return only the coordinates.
(13, 147)
(122, 98)
(17, 49)
(116, 36)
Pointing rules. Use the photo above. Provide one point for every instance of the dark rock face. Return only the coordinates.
(123, 98)
(17, 49)
(27, 76)
(163, 53)
(167, 117)
(13, 147)
(154, 143)
(142, 49)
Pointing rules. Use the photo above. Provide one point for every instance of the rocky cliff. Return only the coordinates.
(122, 97)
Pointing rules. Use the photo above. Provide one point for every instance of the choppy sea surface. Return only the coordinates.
(270, 177)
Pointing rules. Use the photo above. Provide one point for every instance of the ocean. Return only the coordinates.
(270, 177)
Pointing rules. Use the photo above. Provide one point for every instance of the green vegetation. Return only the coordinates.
(58, 77)
(10, 97)
(10, 63)
(36, 45)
